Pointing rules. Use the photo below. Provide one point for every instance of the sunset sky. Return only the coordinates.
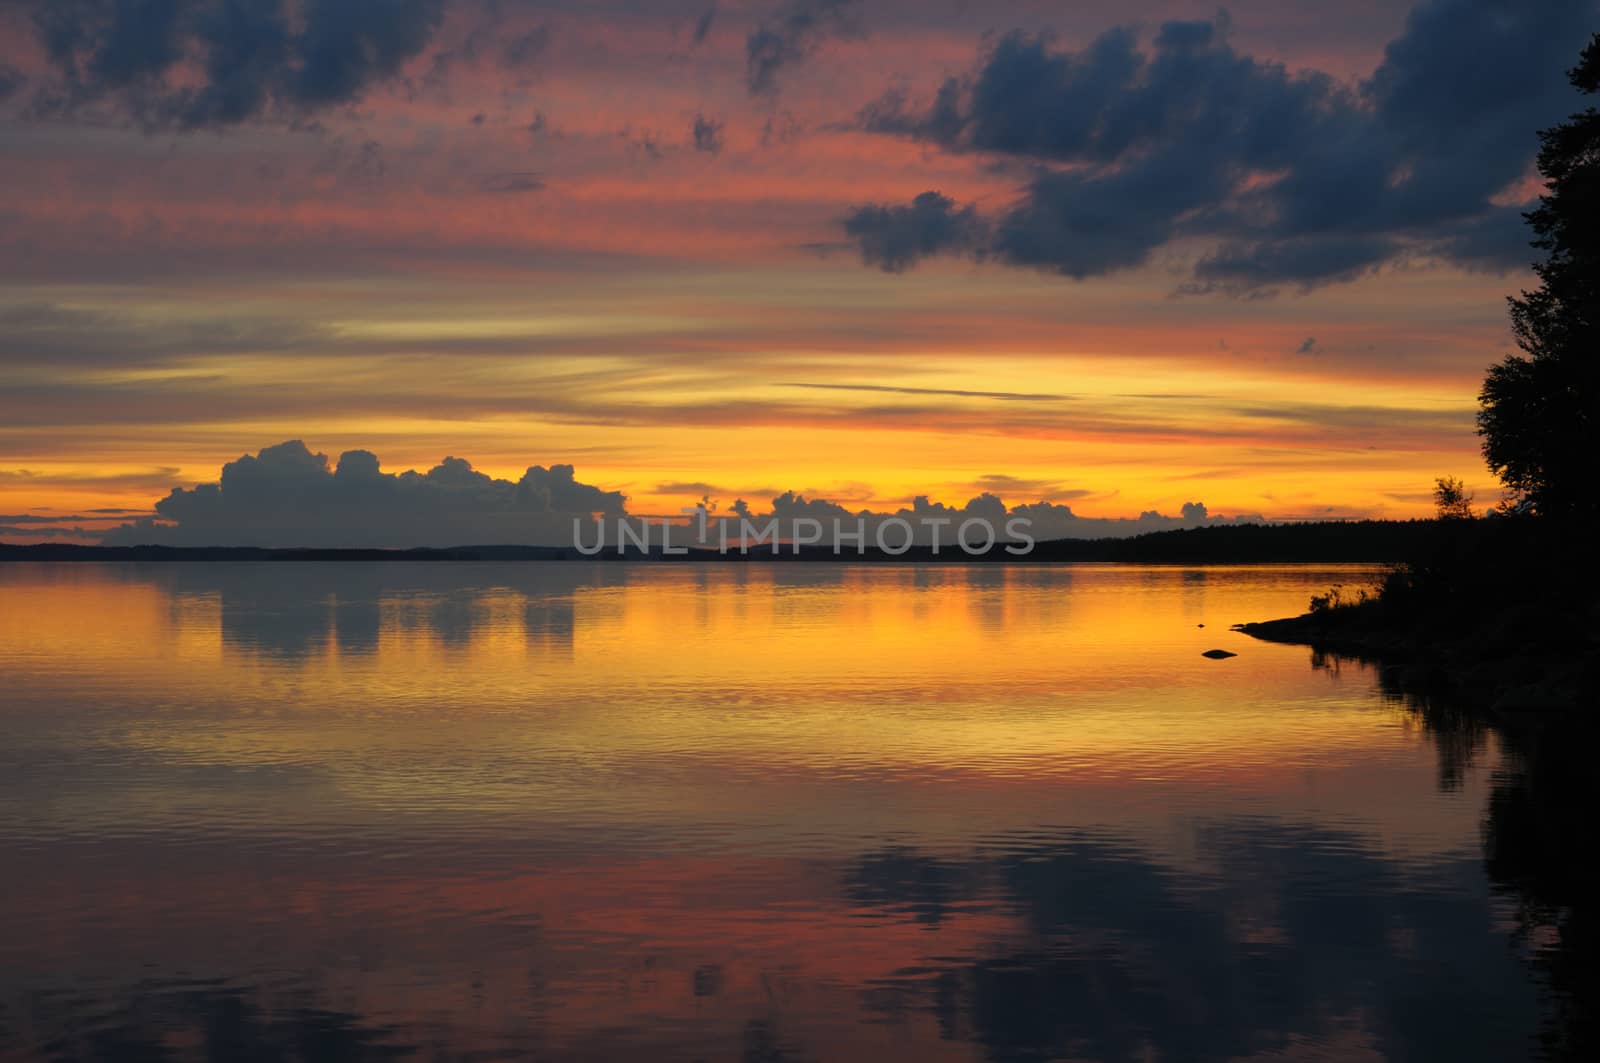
(1256, 258)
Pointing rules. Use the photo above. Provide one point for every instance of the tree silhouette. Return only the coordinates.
(1451, 498)
(1539, 412)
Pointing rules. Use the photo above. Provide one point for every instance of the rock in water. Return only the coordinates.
(1217, 655)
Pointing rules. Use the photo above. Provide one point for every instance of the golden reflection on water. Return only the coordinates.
(711, 810)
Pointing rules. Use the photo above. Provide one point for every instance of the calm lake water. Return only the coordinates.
(760, 812)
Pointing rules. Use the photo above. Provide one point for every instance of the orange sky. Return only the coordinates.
(534, 265)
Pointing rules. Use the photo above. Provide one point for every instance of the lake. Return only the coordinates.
(734, 811)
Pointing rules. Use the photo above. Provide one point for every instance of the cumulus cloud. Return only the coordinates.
(1292, 177)
(290, 496)
(287, 495)
(790, 505)
(793, 33)
(925, 521)
(196, 63)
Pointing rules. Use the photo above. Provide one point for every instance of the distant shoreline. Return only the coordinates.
(1327, 542)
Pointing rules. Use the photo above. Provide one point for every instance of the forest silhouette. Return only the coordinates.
(1503, 610)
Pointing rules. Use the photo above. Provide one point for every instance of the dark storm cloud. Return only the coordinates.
(707, 134)
(793, 32)
(286, 495)
(1295, 177)
(11, 80)
(895, 238)
(1489, 241)
(251, 56)
(1243, 267)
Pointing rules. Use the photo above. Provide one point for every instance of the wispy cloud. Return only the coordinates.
(1016, 396)
(513, 181)
(794, 32)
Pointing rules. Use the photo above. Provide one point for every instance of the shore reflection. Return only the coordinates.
(608, 811)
